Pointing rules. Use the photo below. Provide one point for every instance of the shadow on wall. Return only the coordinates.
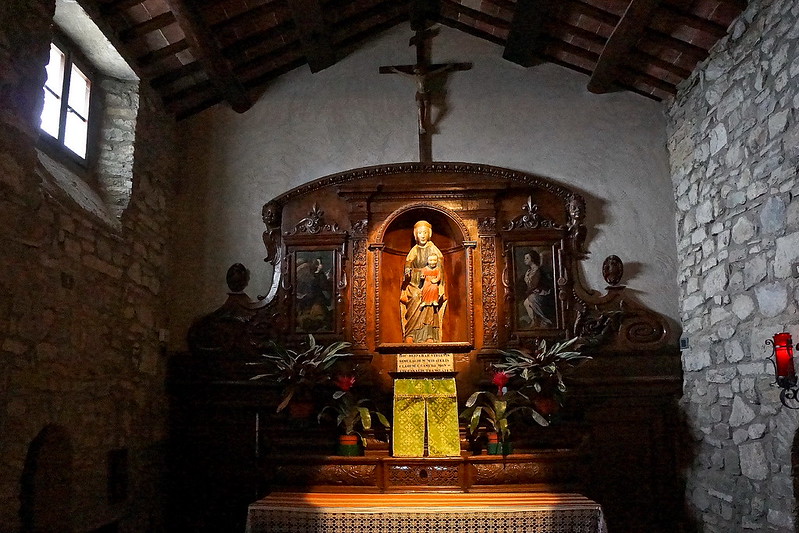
(46, 483)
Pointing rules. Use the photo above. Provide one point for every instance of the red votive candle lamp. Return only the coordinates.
(783, 356)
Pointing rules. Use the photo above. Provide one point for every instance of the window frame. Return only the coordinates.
(55, 146)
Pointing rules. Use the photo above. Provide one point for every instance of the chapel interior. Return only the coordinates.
(238, 155)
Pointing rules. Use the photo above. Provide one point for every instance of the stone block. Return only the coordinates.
(753, 461)
(772, 299)
(741, 413)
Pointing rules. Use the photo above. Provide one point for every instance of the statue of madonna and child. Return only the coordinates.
(423, 297)
(424, 406)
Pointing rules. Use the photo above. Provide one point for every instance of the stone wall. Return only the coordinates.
(81, 304)
(116, 147)
(734, 149)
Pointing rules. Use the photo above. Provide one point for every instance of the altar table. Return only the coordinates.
(290, 512)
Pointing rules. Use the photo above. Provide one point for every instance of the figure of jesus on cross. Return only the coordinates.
(422, 72)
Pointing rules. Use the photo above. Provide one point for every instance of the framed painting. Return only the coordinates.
(535, 268)
(315, 297)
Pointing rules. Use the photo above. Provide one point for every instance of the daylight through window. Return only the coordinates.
(65, 114)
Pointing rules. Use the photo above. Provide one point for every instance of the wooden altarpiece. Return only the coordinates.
(338, 246)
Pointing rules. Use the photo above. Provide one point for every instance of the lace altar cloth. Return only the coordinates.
(425, 513)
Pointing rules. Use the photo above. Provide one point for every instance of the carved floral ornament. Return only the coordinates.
(531, 219)
(314, 223)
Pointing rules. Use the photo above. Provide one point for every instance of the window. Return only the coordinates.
(65, 116)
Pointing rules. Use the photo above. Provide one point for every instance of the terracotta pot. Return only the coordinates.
(301, 409)
(349, 445)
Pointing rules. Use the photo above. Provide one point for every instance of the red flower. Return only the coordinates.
(500, 379)
(345, 383)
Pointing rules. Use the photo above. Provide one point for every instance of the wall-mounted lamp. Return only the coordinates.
(782, 344)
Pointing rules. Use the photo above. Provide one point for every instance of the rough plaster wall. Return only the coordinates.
(611, 148)
(734, 150)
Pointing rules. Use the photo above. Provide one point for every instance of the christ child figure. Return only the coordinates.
(432, 291)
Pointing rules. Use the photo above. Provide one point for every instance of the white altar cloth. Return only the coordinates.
(285, 512)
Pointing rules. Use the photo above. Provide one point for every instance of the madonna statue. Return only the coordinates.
(422, 296)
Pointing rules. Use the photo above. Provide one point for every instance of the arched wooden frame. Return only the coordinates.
(394, 240)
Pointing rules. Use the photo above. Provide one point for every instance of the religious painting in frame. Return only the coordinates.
(315, 297)
(534, 272)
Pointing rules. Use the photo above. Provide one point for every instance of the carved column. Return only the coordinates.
(487, 234)
(359, 285)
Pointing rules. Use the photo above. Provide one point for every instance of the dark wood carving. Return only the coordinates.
(487, 228)
(531, 218)
(313, 223)
(465, 199)
(485, 219)
(359, 284)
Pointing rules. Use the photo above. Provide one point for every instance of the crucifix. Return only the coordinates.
(422, 72)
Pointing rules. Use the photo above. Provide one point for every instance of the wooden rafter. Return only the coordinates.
(156, 23)
(314, 33)
(162, 53)
(525, 42)
(692, 21)
(118, 5)
(627, 32)
(448, 6)
(209, 55)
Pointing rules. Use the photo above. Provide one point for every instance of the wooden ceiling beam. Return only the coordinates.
(477, 15)
(162, 53)
(170, 77)
(118, 5)
(647, 59)
(471, 30)
(241, 46)
(593, 12)
(628, 31)
(143, 28)
(347, 42)
(502, 4)
(525, 42)
(314, 33)
(672, 15)
(341, 25)
(659, 39)
(209, 54)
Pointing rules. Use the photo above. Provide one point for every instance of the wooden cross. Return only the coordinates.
(421, 73)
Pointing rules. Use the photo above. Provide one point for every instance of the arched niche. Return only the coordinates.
(46, 485)
(395, 238)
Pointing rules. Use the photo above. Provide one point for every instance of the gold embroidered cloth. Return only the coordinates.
(429, 403)
(425, 513)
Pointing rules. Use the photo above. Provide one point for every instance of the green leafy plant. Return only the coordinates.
(300, 371)
(349, 411)
(541, 369)
(536, 387)
(494, 409)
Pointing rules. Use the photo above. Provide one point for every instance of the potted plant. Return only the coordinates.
(539, 372)
(350, 414)
(537, 391)
(494, 410)
(300, 372)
